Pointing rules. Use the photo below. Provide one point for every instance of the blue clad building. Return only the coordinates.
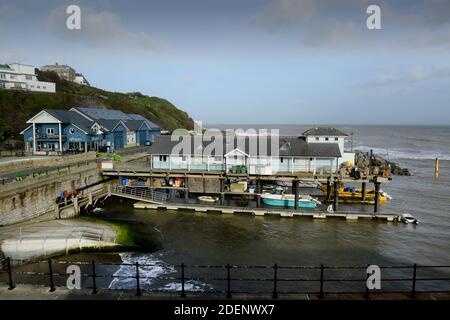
(55, 131)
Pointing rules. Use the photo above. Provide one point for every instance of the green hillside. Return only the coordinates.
(16, 107)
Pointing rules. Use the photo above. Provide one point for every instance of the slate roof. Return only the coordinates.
(324, 131)
(287, 146)
(66, 116)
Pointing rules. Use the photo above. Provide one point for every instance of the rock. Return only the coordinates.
(362, 161)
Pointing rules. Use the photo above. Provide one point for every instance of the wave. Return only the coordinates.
(406, 154)
(151, 268)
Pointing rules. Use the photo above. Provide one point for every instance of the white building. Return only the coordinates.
(22, 77)
(330, 135)
(80, 79)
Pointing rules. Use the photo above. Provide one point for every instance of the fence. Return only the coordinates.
(228, 276)
(139, 193)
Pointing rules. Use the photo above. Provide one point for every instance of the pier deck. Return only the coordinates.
(285, 213)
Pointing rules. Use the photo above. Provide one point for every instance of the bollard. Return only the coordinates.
(228, 281)
(94, 282)
(138, 286)
(321, 282)
(10, 280)
(183, 293)
(50, 273)
(275, 291)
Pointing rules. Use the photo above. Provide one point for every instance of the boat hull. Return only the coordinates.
(302, 204)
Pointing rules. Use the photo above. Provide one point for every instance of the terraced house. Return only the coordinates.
(57, 131)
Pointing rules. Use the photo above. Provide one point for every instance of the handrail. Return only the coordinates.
(140, 193)
(226, 274)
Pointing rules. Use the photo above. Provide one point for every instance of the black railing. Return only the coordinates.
(228, 275)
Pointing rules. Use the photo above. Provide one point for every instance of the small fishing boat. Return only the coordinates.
(349, 194)
(208, 199)
(407, 218)
(277, 198)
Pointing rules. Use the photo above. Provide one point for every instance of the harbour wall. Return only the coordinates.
(35, 198)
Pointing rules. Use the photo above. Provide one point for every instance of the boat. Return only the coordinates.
(349, 194)
(277, 198)
(208, 199)
(407, 218)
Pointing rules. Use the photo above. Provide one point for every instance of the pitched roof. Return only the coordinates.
(324, 131)
(66, 116)
(287, 146)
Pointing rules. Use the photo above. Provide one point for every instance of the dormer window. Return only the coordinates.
(336, 139)
(317, 138)
(327, 139)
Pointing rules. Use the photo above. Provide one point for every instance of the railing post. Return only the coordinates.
(367, 294)
(94, 281)
(10, 280)
(275, 271)
(321, 282)
(50, 273)
(183, 293)
(138, 286)
(228, 281)
(413, 292)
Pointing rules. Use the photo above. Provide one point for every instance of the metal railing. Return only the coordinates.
(137, 192)
(228, 276)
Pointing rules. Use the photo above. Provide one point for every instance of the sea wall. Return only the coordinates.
(36, 197)
(15, 166)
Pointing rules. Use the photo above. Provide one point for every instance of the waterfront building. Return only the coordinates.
(56, 131)
(17, 76)
(282, 155)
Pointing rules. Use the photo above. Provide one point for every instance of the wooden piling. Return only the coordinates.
(335, 195)
(377, 196)
(328, 190)
(363, 191)
(295, 190)
(186, 191)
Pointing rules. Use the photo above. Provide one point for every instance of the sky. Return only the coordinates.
(251, 61)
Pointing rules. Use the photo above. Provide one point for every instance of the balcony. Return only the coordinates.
(50, 137)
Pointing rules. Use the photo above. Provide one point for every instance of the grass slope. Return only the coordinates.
(16, 107)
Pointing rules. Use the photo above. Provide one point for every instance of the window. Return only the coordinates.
(2, 76)
(72, 130)
(50, 131)
(326, 138)
(317, 138)
(163, 158)
(12, 76)
(2, 85)
(281, 159)
(29, 77)
(336, 139)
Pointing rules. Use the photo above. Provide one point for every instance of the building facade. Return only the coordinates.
(62, 70)
(80, 79)
(17, 76)
(284, 155)
(56, 131)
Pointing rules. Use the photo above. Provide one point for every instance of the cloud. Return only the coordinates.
(342, 23)
(98, 29)
(411, 75)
